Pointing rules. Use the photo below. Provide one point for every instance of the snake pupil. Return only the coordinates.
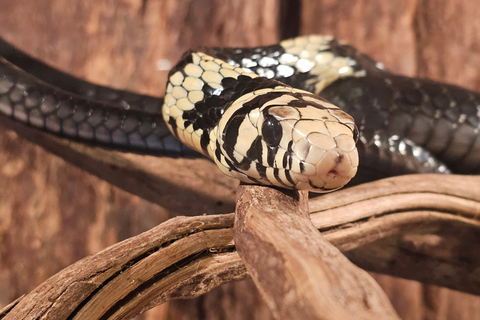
(271, 131)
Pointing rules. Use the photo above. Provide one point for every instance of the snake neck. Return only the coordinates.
(199, 91)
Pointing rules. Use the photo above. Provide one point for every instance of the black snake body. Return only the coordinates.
(406, 124)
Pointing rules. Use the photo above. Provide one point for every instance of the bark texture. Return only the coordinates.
(297, 270)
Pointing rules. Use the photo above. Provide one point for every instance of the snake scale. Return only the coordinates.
(254, 111)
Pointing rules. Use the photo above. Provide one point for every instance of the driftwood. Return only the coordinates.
(431, 237)
(299, 273)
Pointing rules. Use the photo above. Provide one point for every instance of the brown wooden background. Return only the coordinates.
(52, 213)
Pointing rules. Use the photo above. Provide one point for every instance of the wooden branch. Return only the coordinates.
(300, 274)
(432, 237)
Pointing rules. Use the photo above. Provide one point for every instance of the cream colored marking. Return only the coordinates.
(215, 85)
(196, 140)
(229, 73)
(189, 129)
(175, 112)
(185, 104)
(253, 116)
(209, 65)
(322, 141)
(301, 41)
(253, 172)
(196, 58)
(336, 129)
(179, 92)
(284, 113)
(195, 96)
(169, 88)
(288, 127)
(188, 138)
(324, 57)
(166, 114)
(309, 169)
(212, 76)
(271, 177)
(238, 157)
(279, 157)
(314, 155)
(303, 127)
(283, 178)
(176, 79)
(301, 149)
(248, 134)
(193, 70)
(311, 112)
(170, 100)
(282, 100)
(193, 84)
(345, 142)
(180, 123)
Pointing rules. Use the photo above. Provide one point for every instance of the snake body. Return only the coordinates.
(406, 124)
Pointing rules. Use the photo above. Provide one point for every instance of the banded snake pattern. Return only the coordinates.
(406, 125)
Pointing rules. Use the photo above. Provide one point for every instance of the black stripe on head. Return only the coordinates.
(262, 171)
(231, 132)
(289, 177)
(256, 151)
(173, 123)
(302, 167)
(289, 152)
(205, 140)
(271, 153)
(218, 152)
(277, 176)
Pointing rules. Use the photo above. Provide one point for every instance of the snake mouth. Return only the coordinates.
(327, 163)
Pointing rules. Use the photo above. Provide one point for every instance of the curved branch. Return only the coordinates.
(422, 227)
(300, 274)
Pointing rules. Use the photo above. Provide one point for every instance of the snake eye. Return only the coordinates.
(271, 131)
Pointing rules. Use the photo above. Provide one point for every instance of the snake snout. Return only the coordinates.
(329, 158)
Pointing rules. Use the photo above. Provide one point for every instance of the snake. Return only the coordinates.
(306, 113)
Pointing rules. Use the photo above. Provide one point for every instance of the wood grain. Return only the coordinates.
(187, 256)
(299, 273)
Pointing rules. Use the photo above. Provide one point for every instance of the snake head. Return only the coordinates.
(287, 138)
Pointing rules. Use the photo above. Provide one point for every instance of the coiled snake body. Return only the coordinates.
(405, 124)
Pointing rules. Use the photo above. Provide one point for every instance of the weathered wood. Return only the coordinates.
(299, 273)
(142, 271)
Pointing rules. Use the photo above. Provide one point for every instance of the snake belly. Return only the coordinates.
(259, 130)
